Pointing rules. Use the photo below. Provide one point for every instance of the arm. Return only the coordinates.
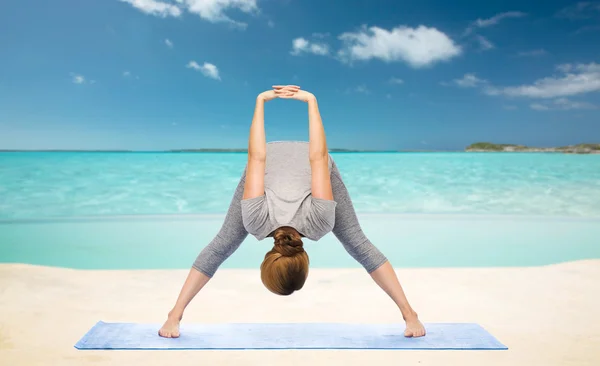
(257, 153)
(257, 143)
(318, 153)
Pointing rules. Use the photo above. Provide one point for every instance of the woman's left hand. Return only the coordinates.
(291, 92)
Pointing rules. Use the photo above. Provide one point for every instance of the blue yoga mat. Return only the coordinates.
(443, 336)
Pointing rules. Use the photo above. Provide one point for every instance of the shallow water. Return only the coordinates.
(174, 241)
(34, 185)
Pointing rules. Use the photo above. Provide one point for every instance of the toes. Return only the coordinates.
(164, 334)
(414, 333)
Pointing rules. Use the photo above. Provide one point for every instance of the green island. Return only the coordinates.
(571, 149)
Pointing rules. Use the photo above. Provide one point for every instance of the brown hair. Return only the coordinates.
(285, 267)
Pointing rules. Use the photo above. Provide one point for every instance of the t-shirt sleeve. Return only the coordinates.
(255, 215)
(321, 216)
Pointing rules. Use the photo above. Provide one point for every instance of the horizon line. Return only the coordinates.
(224, 150)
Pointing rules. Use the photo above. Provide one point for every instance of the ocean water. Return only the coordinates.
(158, 210)
(37, 185)
(409, 241)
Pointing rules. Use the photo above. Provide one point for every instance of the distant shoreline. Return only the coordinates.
(484, 147)
(216, 151)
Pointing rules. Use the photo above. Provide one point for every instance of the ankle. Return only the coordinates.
(175, 315)
(410, 315)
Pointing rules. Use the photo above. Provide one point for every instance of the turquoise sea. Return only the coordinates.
(157, 210)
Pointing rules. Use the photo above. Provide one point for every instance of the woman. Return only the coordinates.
(290, 190)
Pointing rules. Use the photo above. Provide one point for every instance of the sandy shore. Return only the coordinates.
(545, 315)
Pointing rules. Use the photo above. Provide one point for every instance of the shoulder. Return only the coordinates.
(319, 216)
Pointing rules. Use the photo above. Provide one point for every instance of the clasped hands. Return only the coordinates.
(286, 92)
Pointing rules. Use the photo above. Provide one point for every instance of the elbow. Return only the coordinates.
(260, 156)
(320, 155)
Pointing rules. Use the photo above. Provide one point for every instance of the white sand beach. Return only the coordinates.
(546, 315)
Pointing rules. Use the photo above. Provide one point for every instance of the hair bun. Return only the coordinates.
(287, 244)
(287, 250)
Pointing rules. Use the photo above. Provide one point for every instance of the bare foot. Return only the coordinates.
(170, 329)
(414, 328)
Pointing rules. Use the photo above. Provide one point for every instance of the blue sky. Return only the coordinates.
(168, 74)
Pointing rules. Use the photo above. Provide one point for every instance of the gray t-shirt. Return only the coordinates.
(287, 200)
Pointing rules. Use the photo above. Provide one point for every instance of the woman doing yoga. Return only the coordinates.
(290, 190)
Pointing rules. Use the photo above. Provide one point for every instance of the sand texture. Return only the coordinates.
(546, 315)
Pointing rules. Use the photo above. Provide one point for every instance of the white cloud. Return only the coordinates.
(129, 75)
(576, 79)
(168, 43)
(193, 65)
(482, 23)
(587, 28)
(321, 35)
(210, 10)
(77, 79)
(214, 10)
(564, 67)
(561, 104)
(207, 69)
(539, 107)
(394, 80)
(418, 47)
(533, 53)
(581, 10)
(484, 43)
(467, 81)
(302, 45)
(362, 89)
(155, 7)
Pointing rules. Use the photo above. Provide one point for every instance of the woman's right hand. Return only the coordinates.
(279, 92)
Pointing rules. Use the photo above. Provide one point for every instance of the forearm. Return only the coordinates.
(386, 278)
(257, 143)
(193, 284)
(317, 145)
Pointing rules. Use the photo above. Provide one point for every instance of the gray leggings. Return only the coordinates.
(346, 229)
